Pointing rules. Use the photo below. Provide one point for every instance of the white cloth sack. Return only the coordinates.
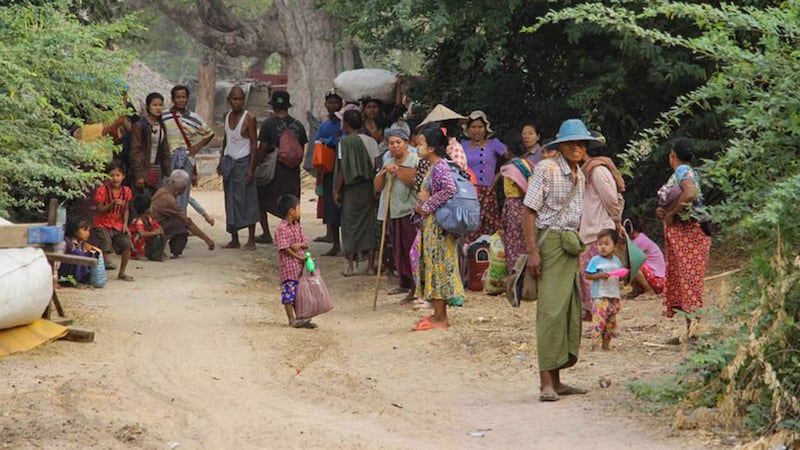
(26, 285)
(353, 85)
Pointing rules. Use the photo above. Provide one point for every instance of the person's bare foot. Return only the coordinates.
(325, 239)
(232, 244)
(264, 239)
(250, 245)
(332, 252)
(210, 245)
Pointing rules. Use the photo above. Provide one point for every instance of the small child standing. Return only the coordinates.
(110, 231)
(605, 289)
(145, 231)
(291, 245)
(76, 235)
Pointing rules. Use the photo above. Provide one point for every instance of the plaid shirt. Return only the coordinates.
(548, 190)
(285, 236)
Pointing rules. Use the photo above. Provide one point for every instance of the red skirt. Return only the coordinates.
(686, 248)
(490, 213)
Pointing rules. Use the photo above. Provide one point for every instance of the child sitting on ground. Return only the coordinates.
(291, 245)
(110, 232)
(652, 276)
(147, 236)
(605, 288)
(76, 235)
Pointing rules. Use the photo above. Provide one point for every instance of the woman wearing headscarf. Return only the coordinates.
(399, 170)
(483, 153)
(686, 245)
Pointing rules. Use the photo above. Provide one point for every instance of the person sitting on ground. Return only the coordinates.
(605, 288)
(292, 244)
(76, 237)
(353, 191)
(175, 223)
(145, 231)
(652, 276)
(109, 232)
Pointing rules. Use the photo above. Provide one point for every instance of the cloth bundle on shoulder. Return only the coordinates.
(312, 297)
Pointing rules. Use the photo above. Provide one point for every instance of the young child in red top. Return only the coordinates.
(291, 243)
(110, 232)
(144, 229)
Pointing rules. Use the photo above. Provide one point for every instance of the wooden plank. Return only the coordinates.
(14, 236)
(72, 259)
(62, 321)
(79, 335)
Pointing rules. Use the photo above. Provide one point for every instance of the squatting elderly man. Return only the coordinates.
(554, 201)
(173, 220)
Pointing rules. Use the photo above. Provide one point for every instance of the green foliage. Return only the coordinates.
(750, 372)
(56, 71)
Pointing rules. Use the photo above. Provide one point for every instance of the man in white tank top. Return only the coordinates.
(236, 165)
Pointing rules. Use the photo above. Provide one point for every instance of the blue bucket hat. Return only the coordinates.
(571, 130)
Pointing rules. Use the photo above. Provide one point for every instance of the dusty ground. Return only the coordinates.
(196, 354)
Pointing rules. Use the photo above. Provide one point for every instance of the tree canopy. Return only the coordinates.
(57, 71)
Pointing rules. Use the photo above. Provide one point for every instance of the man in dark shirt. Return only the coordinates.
(287, 179)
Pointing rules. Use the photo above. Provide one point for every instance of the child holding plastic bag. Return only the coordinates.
(291, 243)
(605, 288)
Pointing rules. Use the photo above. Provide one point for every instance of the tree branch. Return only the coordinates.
(210, 22)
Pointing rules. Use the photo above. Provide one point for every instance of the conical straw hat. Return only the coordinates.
(441, 113)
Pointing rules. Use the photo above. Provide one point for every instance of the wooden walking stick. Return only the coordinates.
(383, 239)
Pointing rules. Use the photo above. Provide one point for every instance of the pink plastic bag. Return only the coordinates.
(312, 297)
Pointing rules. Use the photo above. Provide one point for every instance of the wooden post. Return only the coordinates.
(383, 240)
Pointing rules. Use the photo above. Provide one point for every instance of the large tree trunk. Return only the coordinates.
(206, 86)
(304, 36)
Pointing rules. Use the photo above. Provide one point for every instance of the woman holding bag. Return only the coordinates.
(685, 243)
(149, 156)
(437, 270)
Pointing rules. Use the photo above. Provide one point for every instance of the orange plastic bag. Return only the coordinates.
(323, 158)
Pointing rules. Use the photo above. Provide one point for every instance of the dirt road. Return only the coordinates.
(195, 354)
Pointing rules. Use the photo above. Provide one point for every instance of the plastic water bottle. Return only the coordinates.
(310, 266)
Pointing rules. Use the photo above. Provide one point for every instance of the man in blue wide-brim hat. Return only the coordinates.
(554, 201)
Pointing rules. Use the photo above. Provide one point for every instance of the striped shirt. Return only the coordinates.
(194, 126)
(549, 189)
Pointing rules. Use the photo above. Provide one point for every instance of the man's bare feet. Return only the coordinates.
(232, 244)
(325, 239)
(250, 245)
(210, 245)
(264, 239)
(332, 252)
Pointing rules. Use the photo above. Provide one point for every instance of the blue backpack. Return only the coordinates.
(462, 213)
